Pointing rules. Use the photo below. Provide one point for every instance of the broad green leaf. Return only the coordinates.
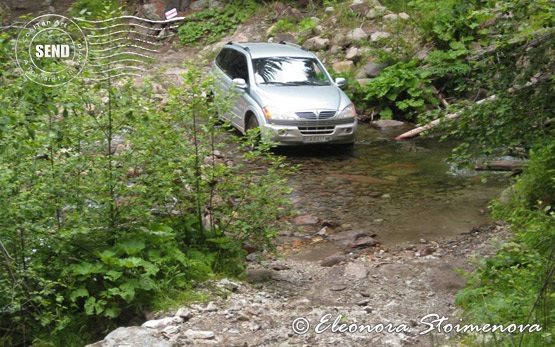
(79, 293)
(132, 247)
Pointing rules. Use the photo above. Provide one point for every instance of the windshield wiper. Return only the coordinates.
(276, 83)
(307, 83)
(297, 83)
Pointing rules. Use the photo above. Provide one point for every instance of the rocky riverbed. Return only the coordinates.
(369, 296)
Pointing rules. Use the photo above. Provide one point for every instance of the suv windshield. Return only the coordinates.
(289, 71)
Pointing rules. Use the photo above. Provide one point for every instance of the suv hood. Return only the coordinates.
(297, 98)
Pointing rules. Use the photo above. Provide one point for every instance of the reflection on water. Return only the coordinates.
(401, 190)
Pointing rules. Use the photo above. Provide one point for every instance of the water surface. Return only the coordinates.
(400, 190)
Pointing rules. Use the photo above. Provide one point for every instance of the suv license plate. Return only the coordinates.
(314, 139)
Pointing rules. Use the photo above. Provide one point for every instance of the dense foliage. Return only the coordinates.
(516, 285)
(212, 24)
(516, 64)
(111, 202)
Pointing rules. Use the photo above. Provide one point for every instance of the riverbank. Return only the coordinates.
(367, 297)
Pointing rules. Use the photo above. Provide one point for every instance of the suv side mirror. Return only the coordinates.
(341, 82)
(239, 83)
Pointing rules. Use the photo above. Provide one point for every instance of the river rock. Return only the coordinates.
(359, 6)
(338, 287)
(132, 336)
(149, 12)
(343, 66)
(353, 54)
(356, 270)
(199, 334)
(357, 35)
(339, 39)
(162, 323)
(229, 285)
(318, 30)
(347, 237)
(333, 260)
(364, 242)
(335, 49)
(183, 313)
(305, 220)
(287, 37)
(376, 12)
(387, 123)
(391, 17)
(372, 69)
(379, 35)
(198, 5)
(316, 43)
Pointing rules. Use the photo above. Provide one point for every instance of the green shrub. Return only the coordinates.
(109, 200)
(94, 9)
(400, 91)
(211, 25)
(516, 285)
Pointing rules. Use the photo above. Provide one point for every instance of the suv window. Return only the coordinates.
(289, 71)
(233, 63)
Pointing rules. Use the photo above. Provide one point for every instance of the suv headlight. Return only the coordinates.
(348, 112)
(276, 113)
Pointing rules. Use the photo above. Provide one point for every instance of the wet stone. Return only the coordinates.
(305, 220)
(356, 270)
(333, 260)
(364, 242)
(338, 287)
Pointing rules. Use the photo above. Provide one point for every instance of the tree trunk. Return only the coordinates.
(501, 165)
(432, 124)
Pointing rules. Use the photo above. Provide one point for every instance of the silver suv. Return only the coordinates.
(286, 91)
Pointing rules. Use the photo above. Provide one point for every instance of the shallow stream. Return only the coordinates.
(403, 191)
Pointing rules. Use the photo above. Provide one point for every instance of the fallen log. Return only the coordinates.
(501, 165)
(434, 123)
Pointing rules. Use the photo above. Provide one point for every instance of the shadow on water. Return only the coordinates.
(401, 190)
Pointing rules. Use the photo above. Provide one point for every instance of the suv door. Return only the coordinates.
(233, 64)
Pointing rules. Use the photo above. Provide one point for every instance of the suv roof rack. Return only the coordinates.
(282, 42)
(238, 44)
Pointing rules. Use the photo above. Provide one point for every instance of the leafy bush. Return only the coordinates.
(93, 9)
(400, 91)
(211, 25)
(516, 285)
(447, 21)
(292, 25)
(109, 200)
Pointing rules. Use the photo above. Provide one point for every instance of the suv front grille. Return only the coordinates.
(315, 115)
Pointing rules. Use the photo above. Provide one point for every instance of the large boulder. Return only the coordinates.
(372, 69)
(379, 35)
(357, 35)
(343, 66)
(150, 12)
(317, 43)
(376, 12)
(353, 53)
(133, 336)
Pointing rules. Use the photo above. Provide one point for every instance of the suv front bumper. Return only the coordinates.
(298, 132)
